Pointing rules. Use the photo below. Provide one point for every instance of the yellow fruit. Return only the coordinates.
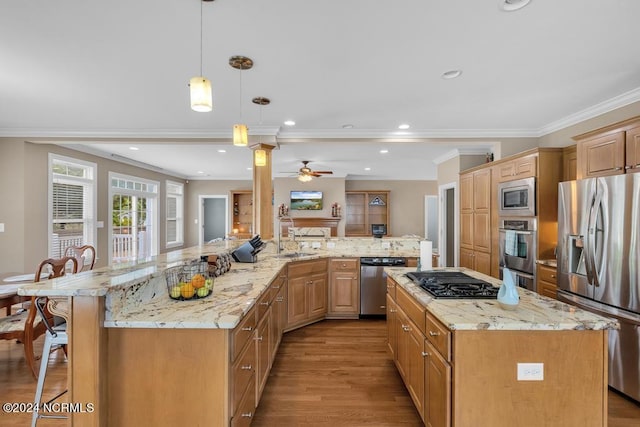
(182, 284)
(203, 291)
(187, 291)
(197, 281)
(175, 292)
(208, 283)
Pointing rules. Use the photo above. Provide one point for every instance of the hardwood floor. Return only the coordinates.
(333, 373)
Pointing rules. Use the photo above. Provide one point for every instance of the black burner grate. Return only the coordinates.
(453, 284)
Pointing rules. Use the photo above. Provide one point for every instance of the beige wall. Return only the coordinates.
(406, 202)
(562, 137)
(28, 217)
(195, 189)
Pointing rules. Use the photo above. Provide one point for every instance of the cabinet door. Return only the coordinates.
(392, 333)
(317, 289)
(402, 355)
(263, 351)
(569, 163)
(482, 231)
(525, 167)
(466, 193)
(602, 156)
(297, 301)
(466, 258)
(482, 190)
(466, 230)
(356, 212)
(415, 357)
(279, 319)
(482, 262)
(343, 293)
(633, 150)
(437, 396)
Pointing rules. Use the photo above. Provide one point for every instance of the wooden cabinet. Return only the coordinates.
(306, 292)
(392, 333)
(569, 163)
(523, 167)
(344, 288)
(437, 404)
(279, 315)
(263, 340)
(475, 220)
(632, 161)
(612, 150)
(242, 213)
(547, 281)
(364, 208)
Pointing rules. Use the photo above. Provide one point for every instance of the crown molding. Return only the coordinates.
(588, 113)
(133, 133)
(457, 153)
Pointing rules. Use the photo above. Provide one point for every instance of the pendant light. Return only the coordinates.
(200, 86)
(260, 155)
(240, 137)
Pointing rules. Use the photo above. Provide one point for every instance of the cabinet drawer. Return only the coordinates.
(391, 288)
(344, 264)
(305, 268)
(414, 310)
(243, 416)
(242, 333)
(547, 289)
(244, 370)
(547, 274)
(439, 336)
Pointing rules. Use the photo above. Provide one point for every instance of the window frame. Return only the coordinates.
(179, 219)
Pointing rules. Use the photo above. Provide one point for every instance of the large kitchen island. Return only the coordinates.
(144, 359)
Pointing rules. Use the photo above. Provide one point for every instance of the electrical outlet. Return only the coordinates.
(315, 245)
(304, 245)
(1, 227)
(530, 371)
(331, 245)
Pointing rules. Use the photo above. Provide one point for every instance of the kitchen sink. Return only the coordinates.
(296, 255)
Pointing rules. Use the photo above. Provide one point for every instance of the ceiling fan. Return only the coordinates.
(306, 173)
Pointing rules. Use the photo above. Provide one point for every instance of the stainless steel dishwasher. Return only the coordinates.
(373, 284)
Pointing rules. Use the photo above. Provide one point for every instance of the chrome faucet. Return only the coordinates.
(291, 234)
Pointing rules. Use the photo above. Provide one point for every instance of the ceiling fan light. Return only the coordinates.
(260, 157)
(304, 178)
(200, 91)
(240, 138)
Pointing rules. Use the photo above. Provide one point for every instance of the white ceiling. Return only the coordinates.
(110, 75)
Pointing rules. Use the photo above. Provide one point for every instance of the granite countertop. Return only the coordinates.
(534, 312)
(137, 297)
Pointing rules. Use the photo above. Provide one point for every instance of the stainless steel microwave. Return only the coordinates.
(517, 198)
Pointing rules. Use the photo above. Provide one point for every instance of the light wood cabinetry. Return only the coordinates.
(306, 292)
(569, 163)
(522, 167)
(475, 220)
(242, 213)
(364, 208)
(437, 404)
(547, 281)
(611, 150)
(344, 288)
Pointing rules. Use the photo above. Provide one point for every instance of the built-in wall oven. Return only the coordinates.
(517, 198)
(517, 248)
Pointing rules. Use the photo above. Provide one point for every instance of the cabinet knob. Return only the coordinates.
(246, 415)
(618, 168)
(553, 276)
(629, 167)
(246, 367)
(434, 334)
(425, 354)
(344, 265)
(391, 310)
(258, 338)
(406, 328)
(279, 299)
(248, 328)
(264, 303)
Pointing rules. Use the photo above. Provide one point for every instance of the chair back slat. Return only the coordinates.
(85, 256)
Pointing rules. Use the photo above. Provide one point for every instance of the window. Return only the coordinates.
(72, 204)
(175, 213)
(134, 218)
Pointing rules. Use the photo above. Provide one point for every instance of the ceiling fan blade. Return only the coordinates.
(326, 172)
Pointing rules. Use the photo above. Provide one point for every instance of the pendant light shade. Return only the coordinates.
(200, 89)
(240, 138)
(260, 157)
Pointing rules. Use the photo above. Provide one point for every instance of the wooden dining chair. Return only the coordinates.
(26, 326)
(85, 255)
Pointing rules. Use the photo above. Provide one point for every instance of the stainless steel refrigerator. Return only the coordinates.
(599, 264)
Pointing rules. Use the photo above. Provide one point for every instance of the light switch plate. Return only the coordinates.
(530, 371)
(1, 227)
(100, 224)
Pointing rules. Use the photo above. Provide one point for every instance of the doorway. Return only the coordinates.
(213, 218)
(448, 225)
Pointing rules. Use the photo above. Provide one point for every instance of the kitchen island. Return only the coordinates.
(144, 359)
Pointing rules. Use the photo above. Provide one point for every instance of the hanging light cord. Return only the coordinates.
(201, 37)
(240, 93)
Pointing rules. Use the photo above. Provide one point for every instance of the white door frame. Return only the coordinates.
(442, 223)
(200, 224)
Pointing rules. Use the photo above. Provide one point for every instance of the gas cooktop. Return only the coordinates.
(453, 284)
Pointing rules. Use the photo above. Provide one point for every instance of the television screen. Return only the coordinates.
(306, 200)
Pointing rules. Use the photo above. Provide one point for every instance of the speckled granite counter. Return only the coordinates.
(136, 293)
(534, 312)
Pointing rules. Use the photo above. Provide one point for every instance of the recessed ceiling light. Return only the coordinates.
(384, 151)
(290, 123)
(451, 74)
(513, 5)
(404, 126)
(367, 169)
(134, 148)
(200, 172)
(347, 126)
(249, 169)
(222, 151)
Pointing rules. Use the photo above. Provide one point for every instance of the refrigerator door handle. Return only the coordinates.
(592, 233)
(587, 242)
